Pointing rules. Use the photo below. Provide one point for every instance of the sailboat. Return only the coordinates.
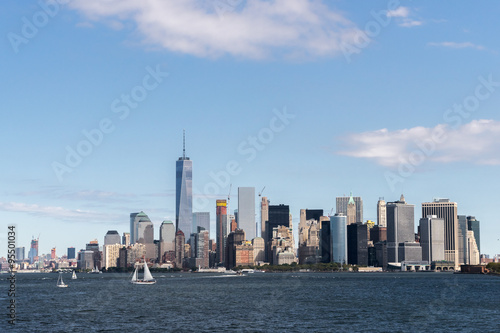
(73, 277)
(148, 278)
(60, 282)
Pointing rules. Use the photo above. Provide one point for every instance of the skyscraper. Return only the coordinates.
(167, 240)
(112, 237)
(351, 211)
(184, 193)
(400, 226)
(134, 221)
(462, 240)
(342, 203)
(432, 238)
(446, 210)
(381, 213)
(33, 253)
(145, 235)
(357, 244)
(221, 232)
(201, 219)
(246, 211)
(264, 216)
(473, 225)
(71, 253)
(338, 229)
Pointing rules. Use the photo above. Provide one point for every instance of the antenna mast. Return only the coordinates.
(183, 144)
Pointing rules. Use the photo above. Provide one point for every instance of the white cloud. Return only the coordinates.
(402, 17)
(455, 45)
(410, 23)
(475, 142)
(256, 29)
(399, 12)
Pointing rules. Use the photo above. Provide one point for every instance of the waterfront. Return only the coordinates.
(259, 302)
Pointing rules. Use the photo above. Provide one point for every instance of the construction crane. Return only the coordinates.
(229, 195)
(260, 193)
(331, 211)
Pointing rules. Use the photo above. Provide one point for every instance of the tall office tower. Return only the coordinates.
(473, 225)
(342, 203)
(233, 239)
(180, 240)
(201, 219)
(135, 218)
(145, 235)
(167, 241)
(53, 253)
(325, 242)
(112, 237)
(446, 210)
(462, 240)
(246, 211)
(126, 239)
(259, 249)
(20, 253)
(199, 248)
(111, 254)
(381, 213)
(432, 238)
(264, 216)
(96, 254)
(378, 234)
(221, 230)
(277, 215)
(473, 257)
(309, 239)
(33, 253)
(357, 244)
(338, 228)
(184, 192)
(71, 253)
(85, 260)
(282, 250)
(400, 226)
(351, 211)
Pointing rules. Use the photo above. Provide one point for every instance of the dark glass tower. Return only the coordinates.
(184, 193)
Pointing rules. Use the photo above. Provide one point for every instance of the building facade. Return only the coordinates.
(246, 211)
(184, 193)
(342, 203)
(221, 231)
(400, 226)
(447, 210)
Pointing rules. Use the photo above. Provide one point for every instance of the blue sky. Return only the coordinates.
(382, 98)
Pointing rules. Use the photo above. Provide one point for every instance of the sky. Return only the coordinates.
(306, 99)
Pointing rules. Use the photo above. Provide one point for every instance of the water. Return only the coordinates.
(259, 302)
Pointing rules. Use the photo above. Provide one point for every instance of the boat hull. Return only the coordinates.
(143, 282)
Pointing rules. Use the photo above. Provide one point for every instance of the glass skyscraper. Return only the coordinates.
(338, 229)
(246, 211)
(184, 194)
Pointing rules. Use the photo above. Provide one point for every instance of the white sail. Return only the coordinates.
(134, 277)
(60, 282)
(147, 274)
(73, 276)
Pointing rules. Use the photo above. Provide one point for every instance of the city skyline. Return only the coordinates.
(96, 102)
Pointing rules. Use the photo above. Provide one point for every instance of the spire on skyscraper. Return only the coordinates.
(183, 144)
(351, 200)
